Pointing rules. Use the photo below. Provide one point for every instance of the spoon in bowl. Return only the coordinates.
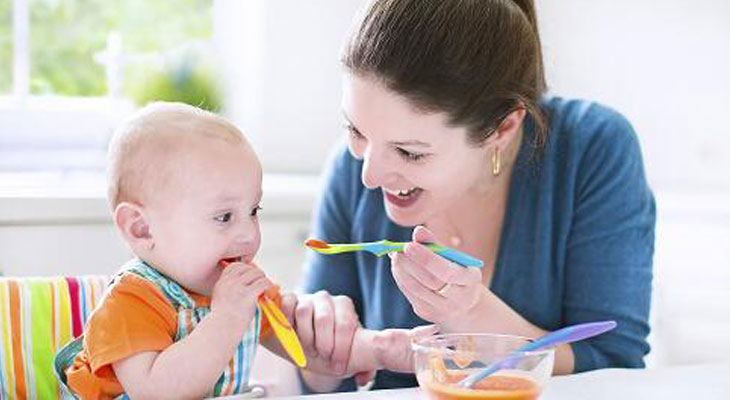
(568, 334)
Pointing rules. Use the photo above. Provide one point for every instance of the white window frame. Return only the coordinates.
(52, 132)
(20, 97)
(39, 127)
(21, 50)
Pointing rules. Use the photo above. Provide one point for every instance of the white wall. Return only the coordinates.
(665, 65)
(281, 58)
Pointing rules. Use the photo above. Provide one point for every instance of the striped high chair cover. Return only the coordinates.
(38, 316)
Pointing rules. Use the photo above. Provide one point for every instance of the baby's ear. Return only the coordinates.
(132, 224)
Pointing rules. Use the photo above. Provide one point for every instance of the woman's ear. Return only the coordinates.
(133, 225)
(508, 129)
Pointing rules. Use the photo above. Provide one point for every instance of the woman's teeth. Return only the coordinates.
(407, 193)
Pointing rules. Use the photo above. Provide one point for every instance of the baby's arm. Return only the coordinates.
(387, 349)
(371, 350)
(190, 367)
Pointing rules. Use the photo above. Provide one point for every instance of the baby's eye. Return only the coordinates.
(224, 217)
(255, 211)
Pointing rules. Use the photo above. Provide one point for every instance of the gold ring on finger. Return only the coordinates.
(443, 289)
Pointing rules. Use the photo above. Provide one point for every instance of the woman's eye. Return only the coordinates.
(225, 217)
(255, 211)
(409, 156)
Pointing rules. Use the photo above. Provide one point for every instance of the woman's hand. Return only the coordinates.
(440, 291)
(326, 326)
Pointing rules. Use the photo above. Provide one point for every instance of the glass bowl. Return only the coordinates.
(441, 361)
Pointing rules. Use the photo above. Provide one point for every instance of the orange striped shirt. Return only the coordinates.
(133, 317)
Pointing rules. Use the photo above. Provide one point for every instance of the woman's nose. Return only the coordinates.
(373, 169)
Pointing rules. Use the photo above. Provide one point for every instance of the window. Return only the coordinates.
(75, 67)
(6, 47)
(65, 36)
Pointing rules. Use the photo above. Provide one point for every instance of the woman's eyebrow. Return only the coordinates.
(397, 143)
(411, 143)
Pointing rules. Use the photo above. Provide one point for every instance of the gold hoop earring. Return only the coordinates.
(496, 162)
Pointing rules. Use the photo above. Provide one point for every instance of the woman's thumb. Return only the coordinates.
(422, 235)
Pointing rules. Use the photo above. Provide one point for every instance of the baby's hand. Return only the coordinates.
(393, 347)
(236, 292)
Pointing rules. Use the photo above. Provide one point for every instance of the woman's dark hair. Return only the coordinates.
(475, 60)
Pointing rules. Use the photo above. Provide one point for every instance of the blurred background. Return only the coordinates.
(71, 69)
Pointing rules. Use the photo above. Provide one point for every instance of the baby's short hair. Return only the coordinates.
(147, 135)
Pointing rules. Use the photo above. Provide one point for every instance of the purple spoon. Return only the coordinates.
(568, 334)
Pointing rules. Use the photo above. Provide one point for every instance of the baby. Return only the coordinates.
(185, 190)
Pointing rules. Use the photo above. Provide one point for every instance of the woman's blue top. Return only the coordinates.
(576, 243)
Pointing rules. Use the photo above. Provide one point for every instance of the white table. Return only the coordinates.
(706, 382)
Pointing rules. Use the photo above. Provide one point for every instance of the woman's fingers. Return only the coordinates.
(346, 323)
(467, 277)
(435, 271)
(423, 300)
(304, 324)
(433, 278)
(433, 297)
(289, 303)
(424, 272)
(423, 235)
(324, 324)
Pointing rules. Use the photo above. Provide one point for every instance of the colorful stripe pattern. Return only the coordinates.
(37, 317)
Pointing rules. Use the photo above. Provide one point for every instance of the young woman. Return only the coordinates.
(451, 139)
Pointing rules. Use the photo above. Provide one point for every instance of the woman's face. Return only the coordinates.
(423, 166)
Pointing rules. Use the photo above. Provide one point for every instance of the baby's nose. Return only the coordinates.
(244, 234)
(247, 236)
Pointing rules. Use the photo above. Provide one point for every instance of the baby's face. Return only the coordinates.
(206, 213)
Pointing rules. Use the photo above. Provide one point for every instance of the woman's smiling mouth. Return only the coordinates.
(402, 198)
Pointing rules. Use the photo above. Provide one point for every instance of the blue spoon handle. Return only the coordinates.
(565, 335)
(458, 257)
(383, 247)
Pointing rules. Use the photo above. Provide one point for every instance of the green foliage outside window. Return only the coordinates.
(6, 47)
(65, 35)
(188, 78)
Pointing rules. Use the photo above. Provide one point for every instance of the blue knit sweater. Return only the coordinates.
(576, 244)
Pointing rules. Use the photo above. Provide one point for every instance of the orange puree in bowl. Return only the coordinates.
(495, 387)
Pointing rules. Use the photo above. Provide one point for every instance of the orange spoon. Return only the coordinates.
(282, 329)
